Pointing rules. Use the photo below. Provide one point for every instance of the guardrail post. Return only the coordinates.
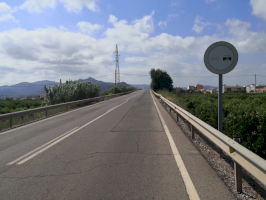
(238, 172)
(192, 132)
(67, 107)
(177, 117)
(46, 112)
(11, 120)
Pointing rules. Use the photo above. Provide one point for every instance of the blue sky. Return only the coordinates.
(62, 39)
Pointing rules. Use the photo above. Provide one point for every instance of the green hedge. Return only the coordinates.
(18, 105)
(244, 115)
(117, 89)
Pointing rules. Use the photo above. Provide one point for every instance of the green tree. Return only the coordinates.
(70, 91)
(160, 80)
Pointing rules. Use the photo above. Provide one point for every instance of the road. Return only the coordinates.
(116, 149)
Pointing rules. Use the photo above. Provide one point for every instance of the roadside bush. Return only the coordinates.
(70, 91)
(244, 115)
(117, 89)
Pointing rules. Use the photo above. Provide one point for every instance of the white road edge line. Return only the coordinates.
(44, 147)
(45, 119)
(20, 158)
(192, 192)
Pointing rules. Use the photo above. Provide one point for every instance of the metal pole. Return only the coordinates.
(255, 83)
(238, 172)
(192, 129)
(220, 104)
(11, 121)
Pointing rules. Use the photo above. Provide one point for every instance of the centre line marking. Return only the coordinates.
(51, 143)
(27, 154)
(192, 192)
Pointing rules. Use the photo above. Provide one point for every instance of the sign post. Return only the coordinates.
(220, 58)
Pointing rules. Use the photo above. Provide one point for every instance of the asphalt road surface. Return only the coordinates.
(124, 148)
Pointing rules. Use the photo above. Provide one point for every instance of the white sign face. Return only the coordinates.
(221, 57)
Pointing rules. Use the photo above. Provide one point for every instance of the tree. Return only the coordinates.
(70, 91)
(160, 80)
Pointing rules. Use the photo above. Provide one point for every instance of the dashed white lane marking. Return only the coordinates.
(51, 143)
(192, 192)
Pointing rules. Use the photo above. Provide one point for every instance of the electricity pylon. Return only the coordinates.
(117, 73)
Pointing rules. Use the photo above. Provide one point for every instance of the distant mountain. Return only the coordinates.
(103, 85)
(36, 88)
(209, 86)
(141, 86)
(25, 89)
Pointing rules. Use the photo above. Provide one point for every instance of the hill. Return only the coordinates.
(141, 86)
(25, 89)
(36, 88)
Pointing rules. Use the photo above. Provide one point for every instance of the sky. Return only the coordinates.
(66, 39)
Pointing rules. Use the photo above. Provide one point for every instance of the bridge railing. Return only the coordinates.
(242, 157)
(10, 116)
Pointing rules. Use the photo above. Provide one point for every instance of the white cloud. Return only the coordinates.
(7, 17)
(52, 53)
(77, 5)
(199, 25)
(38, 5)
(87, 27)
(237, 27)
(70, 5)
(62, 28)
(6, 13)
(4, 8)
(246, 41)
(145, 24)
(259, 8)
(162, 24)
(112, 19)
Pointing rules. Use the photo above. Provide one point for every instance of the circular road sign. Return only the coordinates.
(220, 57)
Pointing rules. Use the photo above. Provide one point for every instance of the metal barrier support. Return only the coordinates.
(192, 132)
(238, 172)
(11, 120)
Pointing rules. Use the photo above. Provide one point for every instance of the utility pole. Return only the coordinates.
(115, 77)
(255, 83)
(117, 73)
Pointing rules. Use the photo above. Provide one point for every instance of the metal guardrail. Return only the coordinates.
(10, 116)
(250, 161)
